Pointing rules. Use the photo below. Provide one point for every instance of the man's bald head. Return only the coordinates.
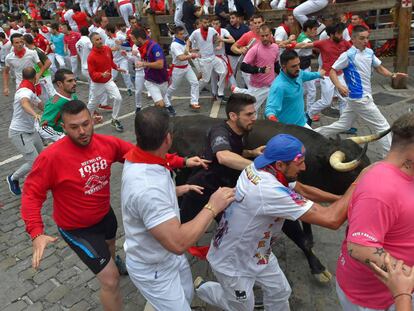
(28, 73)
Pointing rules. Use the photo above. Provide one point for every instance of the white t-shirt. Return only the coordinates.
(111, 42)
(68, 17)
(206, 46)
(92, 28)
(281, 34)
(29, 59)
(241, 244)
(84, 47)
(224, 34)
(135, 58)
(177, 49)
(19, 30)
(148, 199)
(5, 50)
(21, 120)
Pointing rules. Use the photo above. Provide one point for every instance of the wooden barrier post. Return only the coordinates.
(403, 43)
(155, 29)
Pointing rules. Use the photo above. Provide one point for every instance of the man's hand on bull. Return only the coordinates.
(197, 161)
(183, 189)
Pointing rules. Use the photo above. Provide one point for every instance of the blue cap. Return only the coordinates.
(282, 147)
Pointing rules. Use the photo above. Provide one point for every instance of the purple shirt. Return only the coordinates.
(155, 53)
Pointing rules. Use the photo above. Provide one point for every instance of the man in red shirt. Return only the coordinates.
(81, 196)
(330, 49)
(40, 41)
(100, 65)
(80, 18)
(70, 39)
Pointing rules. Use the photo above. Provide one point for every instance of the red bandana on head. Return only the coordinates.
(20, 53)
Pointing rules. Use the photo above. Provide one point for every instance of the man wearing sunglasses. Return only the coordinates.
(267, 193)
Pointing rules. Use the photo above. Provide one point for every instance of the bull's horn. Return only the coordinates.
(369, 138)
(337, 158)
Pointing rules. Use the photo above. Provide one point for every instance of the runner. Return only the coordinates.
(126, 10)
(181, 69)
(22, 132)
(70, 40)
(100, 65)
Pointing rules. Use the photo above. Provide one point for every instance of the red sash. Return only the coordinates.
(229, 69)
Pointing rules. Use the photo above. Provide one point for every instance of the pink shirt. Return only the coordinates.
(381, 215)
(261, 56)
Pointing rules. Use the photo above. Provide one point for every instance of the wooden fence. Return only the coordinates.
(400, 29)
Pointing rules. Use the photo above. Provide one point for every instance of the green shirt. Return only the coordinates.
(43, 57)
(51, 113)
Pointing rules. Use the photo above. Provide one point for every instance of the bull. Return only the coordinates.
(325, 166)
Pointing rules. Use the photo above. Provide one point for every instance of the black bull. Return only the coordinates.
(190, 133)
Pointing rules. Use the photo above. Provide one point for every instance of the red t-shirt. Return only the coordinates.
(247, 37)
(157, 5)
(330, 52)
(79, 178)
(81, 19)
(70, 39)
(380, 215)
(41, 42)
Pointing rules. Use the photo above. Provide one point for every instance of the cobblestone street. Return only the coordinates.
(64, 283)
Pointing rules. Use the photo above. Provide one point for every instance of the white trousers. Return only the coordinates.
(328, 91)
(308, 7)
(347, 305)
(126, 10)
(60, 60)
(49, 134)
(51, 57)
(74, 64)
(167, 286)
(207, 66)
(233, 63)
(215, 78)
(309, 88)
(157, 91)
(123, 64)
(368, 111)
(96, 90)
(177, 77)
(260, 93)
(86, 7)
(236, 293)
(47, 88)
(278, 4)
(103, 100)
(178, 14)
(139, 87)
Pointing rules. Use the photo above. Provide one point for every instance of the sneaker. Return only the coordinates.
(351, 131)
(117, 125)
(138, 109)
(105, 107)
(129, 91)
(198, 282)
(195, 106)
(222, 98)
(13, 186)
(120, 264)
(171, 111)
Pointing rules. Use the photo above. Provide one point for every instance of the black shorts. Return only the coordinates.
(90, 243)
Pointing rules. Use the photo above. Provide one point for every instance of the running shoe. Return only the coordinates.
(129, 91)
(195, 106)
(198, 282)
(13, 185)
(316, 117)
(138, 109)
(120, 264)
(171, 111)
(309, 120)
(105, 107)
(351, 131)
(117, 125)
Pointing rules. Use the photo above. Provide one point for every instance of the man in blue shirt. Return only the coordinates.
(155, 68)
(56, 38)
(285, 103)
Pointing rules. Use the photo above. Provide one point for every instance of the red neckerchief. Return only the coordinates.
(204, 33)
(27, 84)
(278, 174)
(143, 49)
(218, 31)
(137, 155)
(286, 27)
(20, 53)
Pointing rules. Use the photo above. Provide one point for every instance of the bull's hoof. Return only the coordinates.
(323, 277)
